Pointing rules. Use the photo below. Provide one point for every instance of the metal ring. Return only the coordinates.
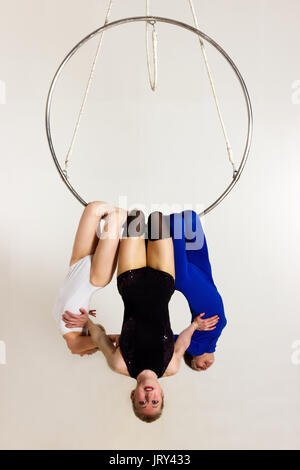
(181, 25)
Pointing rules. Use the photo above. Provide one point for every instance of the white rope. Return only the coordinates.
(69, 153)
(152, 79)
(228, 146)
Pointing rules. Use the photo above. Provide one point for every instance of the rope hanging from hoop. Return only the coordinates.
(70, 150)
(211, 80)
(152, 80)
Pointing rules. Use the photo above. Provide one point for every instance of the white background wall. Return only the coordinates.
(161, 148)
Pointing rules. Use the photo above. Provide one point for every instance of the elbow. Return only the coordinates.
(186, 344)
(73, 349)
(222, 322)
(72, 346)
(97, 281)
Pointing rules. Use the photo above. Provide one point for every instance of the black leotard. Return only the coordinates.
(146, 340)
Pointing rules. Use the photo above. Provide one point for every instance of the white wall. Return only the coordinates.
(160, 148)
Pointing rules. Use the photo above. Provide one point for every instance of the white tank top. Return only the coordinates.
(75, 293)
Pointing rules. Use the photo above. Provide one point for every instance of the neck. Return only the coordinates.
(146, 374)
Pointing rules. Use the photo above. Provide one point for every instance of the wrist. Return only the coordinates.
(85, 330)
(90, 325)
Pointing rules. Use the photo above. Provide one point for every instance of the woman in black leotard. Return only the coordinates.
(146, 282)
(145, 349)
(146, 339)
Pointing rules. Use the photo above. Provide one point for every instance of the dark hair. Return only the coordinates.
(188, 359)
(147, 418)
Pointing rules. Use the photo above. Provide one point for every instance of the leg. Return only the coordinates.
(132, 252)
(194, 235)
(196, 246)
(160, 251)
(86, 239)
(180, 255)
(105, 257)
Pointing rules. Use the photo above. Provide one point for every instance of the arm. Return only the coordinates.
(105, 344)
(114, 339)
(196, 245)
(182, 343)
(79, 344)
(102, 341)
(184, 339)
(199, 324)
(213, 338)
(99, 339)
(180, 256)
(205, 341)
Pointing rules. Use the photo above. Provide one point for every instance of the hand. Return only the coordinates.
(207, 324)
(77, 321)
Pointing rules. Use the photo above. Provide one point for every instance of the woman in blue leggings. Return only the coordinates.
(194, 279)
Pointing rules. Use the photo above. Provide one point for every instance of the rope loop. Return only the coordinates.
(152, 76)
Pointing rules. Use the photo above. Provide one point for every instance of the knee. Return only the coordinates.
(135, 224)
(94, 207)
(158, 226)
(116, 218)
(99, 208)
(155, 216)
(190, 216)
(193, 226)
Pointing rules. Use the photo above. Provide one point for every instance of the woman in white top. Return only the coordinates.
(92, 266)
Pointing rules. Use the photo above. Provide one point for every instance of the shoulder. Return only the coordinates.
(173, 366)
(117, 363)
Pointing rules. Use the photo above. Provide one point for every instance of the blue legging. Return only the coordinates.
(194, 278)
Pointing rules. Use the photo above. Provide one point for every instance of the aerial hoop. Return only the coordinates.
(201, 35)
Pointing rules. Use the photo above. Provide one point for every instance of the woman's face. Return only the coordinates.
(203, 362)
